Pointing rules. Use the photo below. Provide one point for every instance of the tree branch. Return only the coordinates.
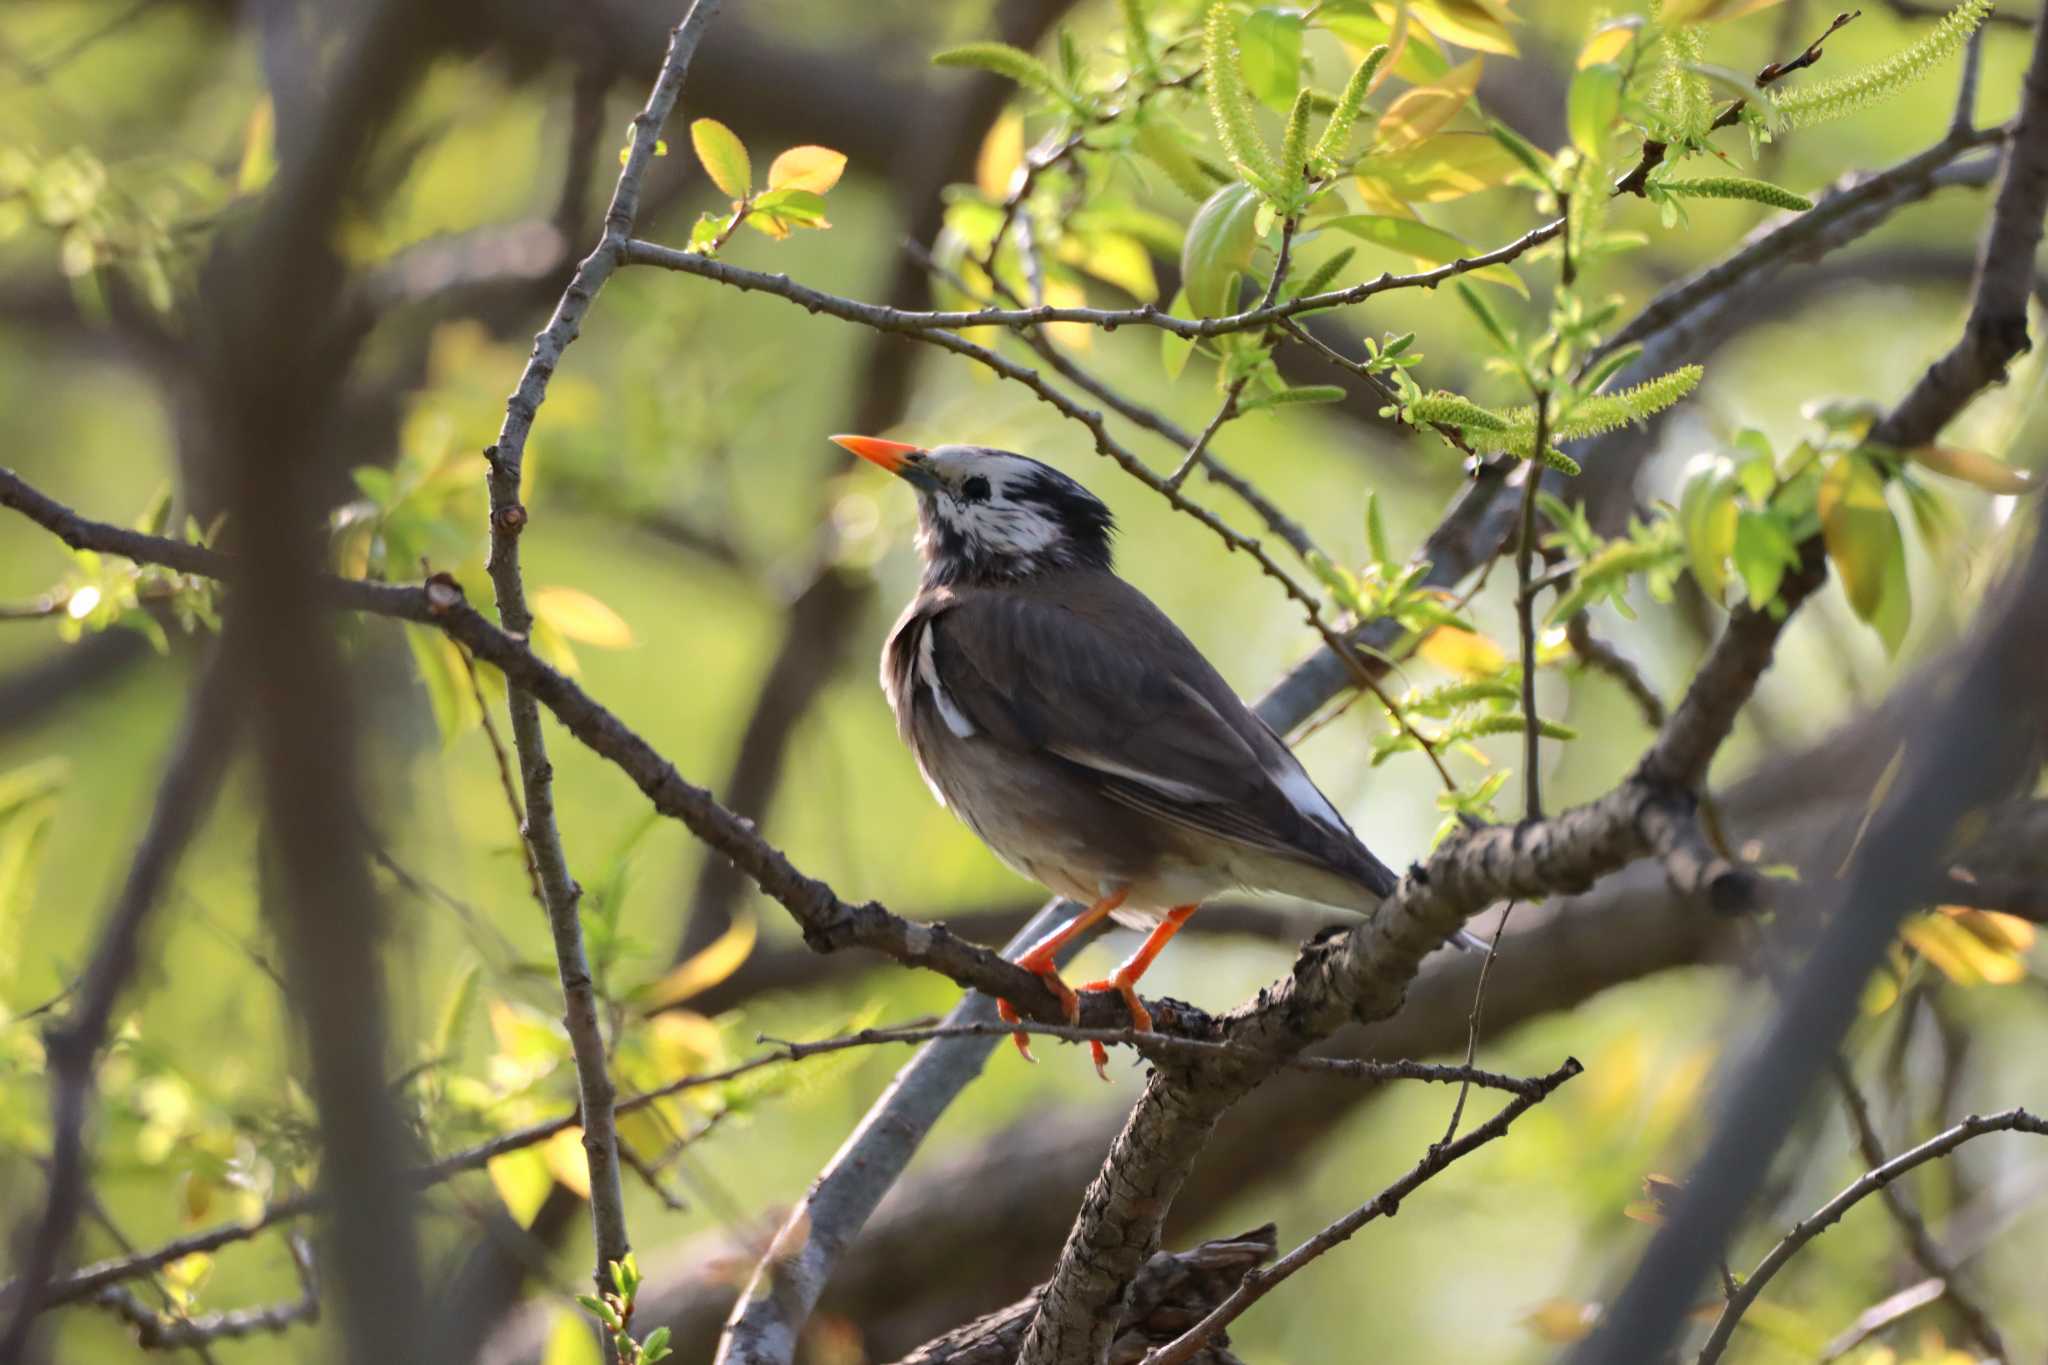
(1830, 1213)
(561, 894)
(186, 792)
(1440, 1156)
(1962, 761)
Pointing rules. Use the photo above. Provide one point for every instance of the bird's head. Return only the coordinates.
(990, 515)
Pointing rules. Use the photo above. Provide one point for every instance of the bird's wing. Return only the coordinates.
(1140, 713)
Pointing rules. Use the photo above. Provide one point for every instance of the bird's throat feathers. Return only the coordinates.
(1006, 517)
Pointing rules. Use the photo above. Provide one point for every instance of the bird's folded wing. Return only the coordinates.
(1132, 715)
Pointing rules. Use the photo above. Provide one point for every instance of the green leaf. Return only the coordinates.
(1707, 519)
(1523, 151)
(1269, 54)
(1593, 108)
(1763, 552)
(724, 157)
(1488, 319)
(1218, 249)
(1376, 532)
(1175, 350)
(1861, 533)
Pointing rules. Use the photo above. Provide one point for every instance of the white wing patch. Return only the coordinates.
(1303, 795)
(1289, 776)
(1166, 786)
(928, 673)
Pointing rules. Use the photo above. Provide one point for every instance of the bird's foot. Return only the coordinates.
(1141, 1018)
(1041, 965)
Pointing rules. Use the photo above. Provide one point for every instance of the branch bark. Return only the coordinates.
(508, 518)
(1963, 761)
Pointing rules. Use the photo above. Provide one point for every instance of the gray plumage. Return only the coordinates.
(1070, 723)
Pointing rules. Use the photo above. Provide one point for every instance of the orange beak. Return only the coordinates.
(893, 456)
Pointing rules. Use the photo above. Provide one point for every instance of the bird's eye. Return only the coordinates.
(975, 489)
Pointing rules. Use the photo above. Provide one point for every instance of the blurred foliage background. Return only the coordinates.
(683, 499)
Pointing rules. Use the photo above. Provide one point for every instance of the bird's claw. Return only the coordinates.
(1070, 1004)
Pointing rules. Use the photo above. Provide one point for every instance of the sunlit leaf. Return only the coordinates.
(808, 167)
(1423, 110)
(1461, 651)
(1481, 25)
(522, 1179)
(582, 617)
(706, 968)
(567, 1162)
(1975, 467)
(571, 1341)
(1707, 519)
(1448, 166)
(259, 148)
(1862, 534)
(1763, 552)
(1269, 54)
(1175, 350)
(1562, 1321)
(724, 157)
(1001, 154)
(1678, 12)
(1218, 249)
(1114, 258)
(1609, 41)
(1592, 107)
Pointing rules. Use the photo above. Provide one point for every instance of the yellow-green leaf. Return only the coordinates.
(1218, 248)
(1425, 109)
(706, 968)
(808, 167)
(1462, 652)
(724, 156)
(1861, 533)
(567, 1162)
(1707, 518)
(1592, 108)
(1709, 11)
(571, 1341)
(1481, 25)
(522, 1180)
(1975, 467)
(1448, 166)
(1609, 41)
(579, 616)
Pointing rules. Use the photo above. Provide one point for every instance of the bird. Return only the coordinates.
(1068, 722)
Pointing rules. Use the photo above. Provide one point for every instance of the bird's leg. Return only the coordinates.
(1038, 958)
(1124, 980)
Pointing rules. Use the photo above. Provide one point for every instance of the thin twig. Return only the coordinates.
(186, 792)
(1920, 1243)
(1258, 1283)
(1870, 1182)
(505, 779)
(1472, 1019)
(508, 518)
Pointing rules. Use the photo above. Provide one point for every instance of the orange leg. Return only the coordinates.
(1038, 958)
(1124, 979)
